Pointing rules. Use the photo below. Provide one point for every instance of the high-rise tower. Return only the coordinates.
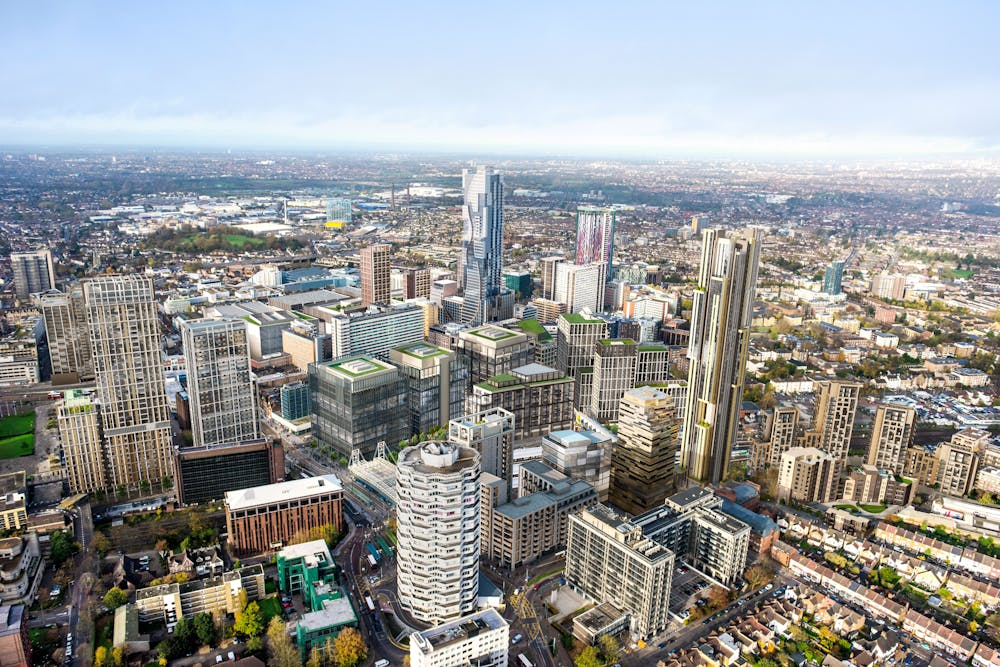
(376, 285)
(33, 272)
(595, 236)
(642, 461)
(721, 313)
(833, 277)
(482, 244)
(892, 433)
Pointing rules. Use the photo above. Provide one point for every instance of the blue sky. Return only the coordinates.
(656, 79)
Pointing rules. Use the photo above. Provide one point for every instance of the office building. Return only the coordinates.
(80, 436)
(481, 639)
(301, 342)
(418, 284)
(806, 475)
(435, 381)
(549, 267)
(33, 272)
(491, 350)
(541, 399)
(295, 401)
(357, 402)
(169, 603)
(520, 283)
(833, 278)
(892, 434)
(721, 314)
(642, 461)
(584, 455)
(338, 213)
(207, 473)
(833, 417)
(438, 531)
(491, 434)
(66, 331)
(781, 427)
(548, 310)
(376, 267)
(15, 645)
(482, 245)
(580, 287)
(125, 339)
(519, 531)
(620, 365)
(262, 518)
(958, 461)
(576, 339)
(375, 330)
(221, 391)
(595, 236)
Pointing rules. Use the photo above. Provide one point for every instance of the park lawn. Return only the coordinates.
(19, 445)
(872, 509)
(269, 608)
(17, 424)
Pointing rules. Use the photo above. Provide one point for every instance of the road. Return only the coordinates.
(81, 622)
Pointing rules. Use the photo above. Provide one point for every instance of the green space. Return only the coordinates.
(17, 424)
(19, 445)
(269, 607)
(846, 508)
(576, 318)
(872, 509)
(545, 575)
(533, 326)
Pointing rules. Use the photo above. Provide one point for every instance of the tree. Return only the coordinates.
(758, 575)
(609, 648)
(280, 649)
(62, 547)
(115, 597)
(250, 621)
(314, 660)
(255, 644)
(118, 656)
(101, 657)
(162, 547)
(718, 597)
(241, 600)
(102, 544)
(589, 657)
(349, 648)
(204, 629)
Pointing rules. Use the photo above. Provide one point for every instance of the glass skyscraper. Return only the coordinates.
(482, 244)
(833, 278)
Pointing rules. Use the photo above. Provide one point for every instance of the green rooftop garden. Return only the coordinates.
(577, 318)
(492, 333)
(533, 326)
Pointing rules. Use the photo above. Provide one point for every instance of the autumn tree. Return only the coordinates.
(610, 648)
(349, 648)
(102, 544)
(101, 657)
(250, 621)
(281, 651)
(718, 597)
(758, 575)
(115, 597)
(118, 656)
(315, 659)
(589, 657)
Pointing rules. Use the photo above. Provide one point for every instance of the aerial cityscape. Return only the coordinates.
(374, 350)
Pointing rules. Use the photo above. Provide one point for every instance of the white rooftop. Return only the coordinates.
(272, 493)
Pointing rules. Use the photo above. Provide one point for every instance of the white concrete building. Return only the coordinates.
(480, 639)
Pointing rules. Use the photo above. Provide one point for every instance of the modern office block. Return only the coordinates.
(520, 283)
(376, 266)
(438, 530)
(33, 272)
(541, 399)
(80, 436)
(549, 267)
(356, 403)
(580, 287)
(481, 639)
(584, 455)
(806, 475)
(305, 346)
(720, 334)
(595, 236)
(892, 434)
(435, 384)
(375, 330)
(262, 518)
(482, 245)
(642, 461)
(491, 434)
(491, 350)
(296, 402)
(833, 278)
(207, 473)
(338, 213)
(576, 339)
(221, 391)
(125, 339)
(66, 330)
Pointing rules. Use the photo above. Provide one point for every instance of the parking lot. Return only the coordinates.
(686, 588)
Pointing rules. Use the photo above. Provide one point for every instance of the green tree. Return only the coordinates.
(255, 644)
(610, 649)
(349, 648)
(280, 649)
(204, 628)
(589, 657)
(62, 547)
(115, 597)
(250, 621)
(102, 544)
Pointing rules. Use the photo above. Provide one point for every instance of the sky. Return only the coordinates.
(666, 80)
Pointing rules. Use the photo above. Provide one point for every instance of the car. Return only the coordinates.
(285, 598)
(382, 662)
(231, 656)
(218, 659)
(741, 603)
(661, 645)
(768, 587)
(518, 637)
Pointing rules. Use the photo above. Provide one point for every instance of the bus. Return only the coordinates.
(372, 562)
(383, 545)
(523, 661)
(368, 601)
(373, 552)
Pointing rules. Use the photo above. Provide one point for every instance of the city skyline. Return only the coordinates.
(722, 80)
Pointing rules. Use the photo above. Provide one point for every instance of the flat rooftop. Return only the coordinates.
(291, 490)
(335, 612)
(423, 350)
(358, 367)
(314, 553)
(438, 637)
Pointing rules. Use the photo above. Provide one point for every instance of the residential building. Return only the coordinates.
(576, 339)
(373, 331)
(892, 434)
(357, 402)
(438, 520)
(580, 287)
(481, 639)
(870, 485)
(595, 236)
(519, 531)
(491, 350)
(33, 272)
(304, 345)
(549, 267)
(376, 267)
(833, 278)
(491, 434)
(584, 455)
(988, 480)
(221, 391)
(21, 568)
(958, 461)
(548, 310)
(15, 645)
(66, 331)
(295, 400)
(122, 313)
(807, 474)
(418, 284)
(80, 435)
(482, 245)
(721, 315)
(620, 365)
(781, 426)
(207, 473)
(642, 461)
(888, 286)
(435, 380)
(169, 603)
(921, 463)
(262, 518)
(833, 419)
(541, 399)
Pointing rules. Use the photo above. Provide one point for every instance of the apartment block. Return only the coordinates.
(80, 434)
(871, 485)
(642, 461)
(958, 460)
(807, 474)
(576, 339)
(376, 267)
(169, 603)
(481, 639)
(781, 426)
(66, 331)
(491, 434)
(892, 434)
(584, 455)
(619, 365)
(540, 398)
(33, 272)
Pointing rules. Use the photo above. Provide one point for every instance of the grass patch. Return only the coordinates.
(269, 607)
(18, 445)
(545, 575)
(17, 424)
(846, 508)
(872, 509)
